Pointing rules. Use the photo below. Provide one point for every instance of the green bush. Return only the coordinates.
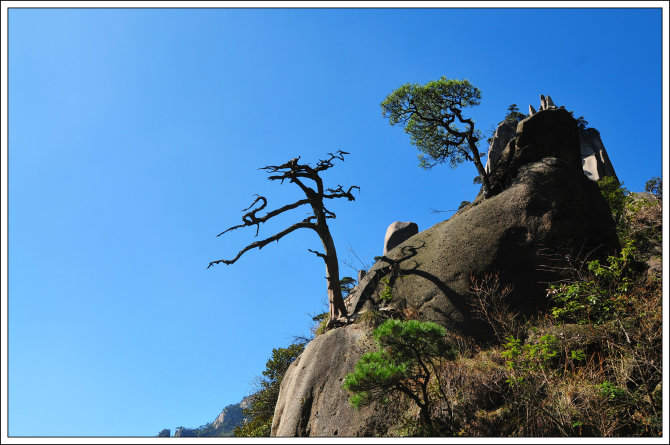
(615, 195)
(597, 297)
(387, 294)
(530, 357)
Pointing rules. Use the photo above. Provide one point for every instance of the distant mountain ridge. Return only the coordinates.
(224, 425)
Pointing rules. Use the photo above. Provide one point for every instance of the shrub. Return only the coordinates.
(489, 303)
(409, 354)
(597, 297)
(615, 195)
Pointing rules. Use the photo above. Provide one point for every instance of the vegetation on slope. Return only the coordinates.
(592, 366)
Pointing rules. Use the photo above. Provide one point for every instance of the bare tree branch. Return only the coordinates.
(340, 193)
(250, 218)
(319, 254)
(328, 213)
(325, 164)
(266, 241)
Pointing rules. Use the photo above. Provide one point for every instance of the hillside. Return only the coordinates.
(541, 298)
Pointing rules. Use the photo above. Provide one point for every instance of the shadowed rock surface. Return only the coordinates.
(595, 160)
(544, 205)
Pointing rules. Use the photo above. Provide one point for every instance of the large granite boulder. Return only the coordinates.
(549, 210)
(398, 232)
(311, 399)
(544, 208)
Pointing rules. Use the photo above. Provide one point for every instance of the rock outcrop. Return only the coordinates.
(398, 232)
(505, 132)
(548, 134)
(544, 207)
(224, 425)
(311, 400)
(595, 161)
(230, 418)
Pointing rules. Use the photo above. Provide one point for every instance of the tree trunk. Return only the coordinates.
(336, 306)
(486, 184)
(472, 142)
(425, 415)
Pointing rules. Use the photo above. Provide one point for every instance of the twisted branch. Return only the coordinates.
(340, 193)
(250, 218)
(319, 254)
(263, 243)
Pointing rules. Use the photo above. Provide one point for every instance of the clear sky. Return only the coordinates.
(135, 136)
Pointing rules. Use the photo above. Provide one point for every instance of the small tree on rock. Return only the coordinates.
(513, 113)
(303, 175)
(433, 115)
(409, 354)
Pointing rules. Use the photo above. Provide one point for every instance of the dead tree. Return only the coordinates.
(315, 194)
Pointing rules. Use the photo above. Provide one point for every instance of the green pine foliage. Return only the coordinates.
(408, 356)
(422, 110)
(513, 113)
(654, 186)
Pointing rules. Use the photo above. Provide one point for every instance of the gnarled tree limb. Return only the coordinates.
(300, 174)
(266, 241)
(250, 218)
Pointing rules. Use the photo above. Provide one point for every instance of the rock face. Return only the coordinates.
(224, 425)
(595, 161)
(548, 133)
(230, 418)
(505, 132)
(398, 232)
(311, 399)
(544, 208)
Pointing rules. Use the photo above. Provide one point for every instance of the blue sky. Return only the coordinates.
(135, 136)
